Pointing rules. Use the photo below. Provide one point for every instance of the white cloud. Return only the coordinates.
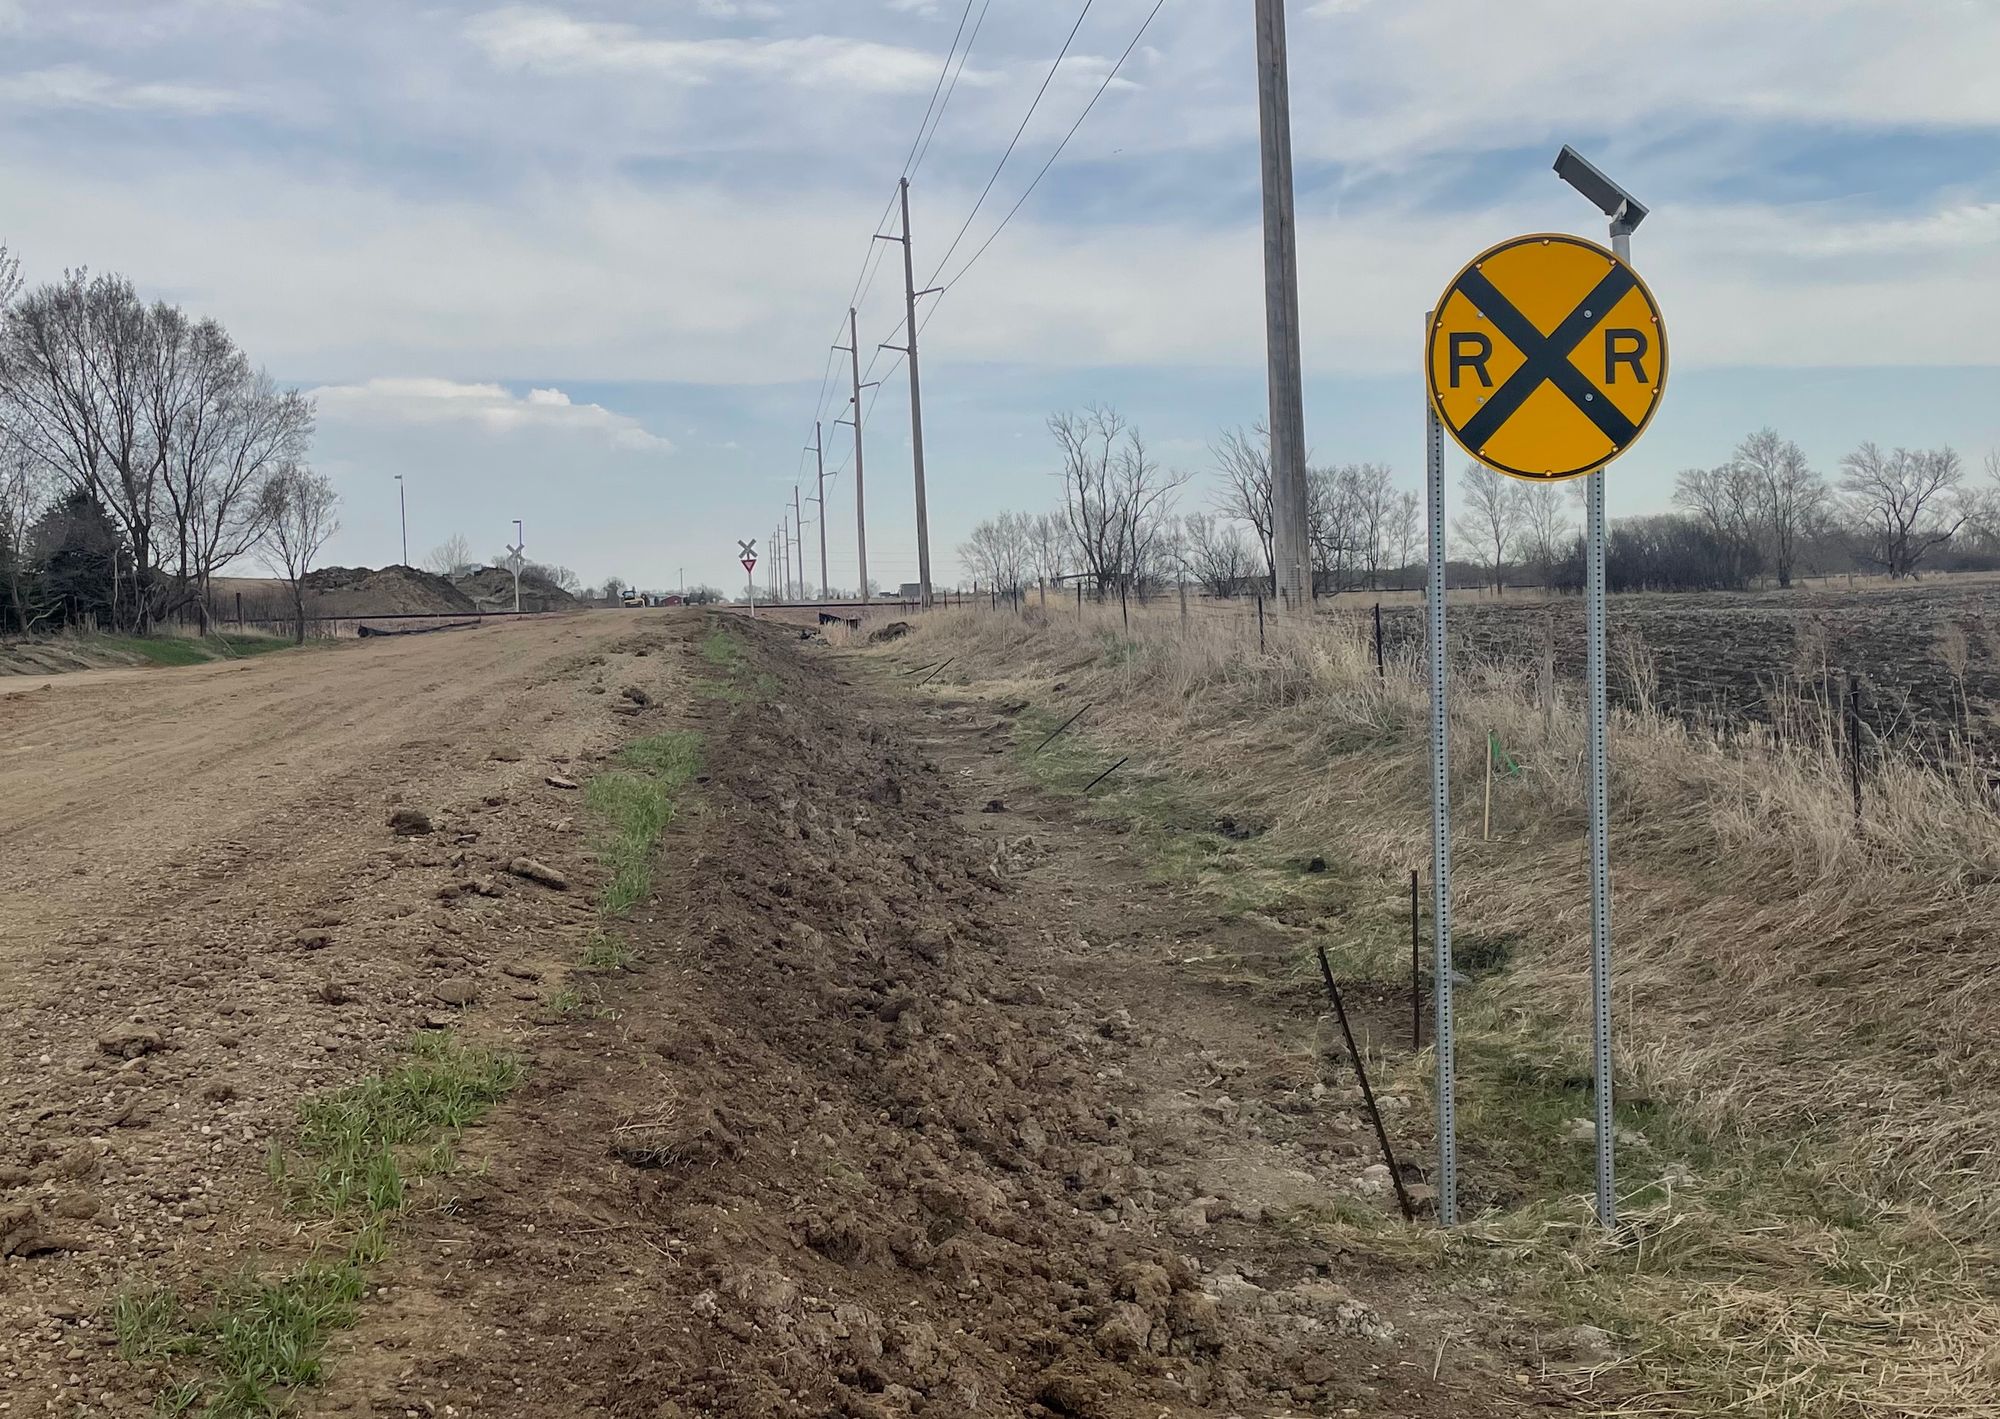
(78, 86)
(1469, 76)
(548, 40)
(487, 406)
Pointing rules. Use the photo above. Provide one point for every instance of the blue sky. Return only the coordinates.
(579, 261)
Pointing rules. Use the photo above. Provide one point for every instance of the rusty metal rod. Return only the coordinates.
(1367, 1094)
(1106, 774)
(1059, 729)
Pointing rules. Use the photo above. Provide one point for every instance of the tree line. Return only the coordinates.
(1764, 512)
(141, 452)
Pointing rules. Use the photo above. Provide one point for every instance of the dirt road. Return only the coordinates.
(923, 1097)
(204, 918)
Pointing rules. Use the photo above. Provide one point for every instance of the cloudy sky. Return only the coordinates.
(580, 261)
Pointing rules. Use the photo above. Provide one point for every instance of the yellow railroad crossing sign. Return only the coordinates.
(1547, 357)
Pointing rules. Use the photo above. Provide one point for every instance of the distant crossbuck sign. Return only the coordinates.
(1547, 356)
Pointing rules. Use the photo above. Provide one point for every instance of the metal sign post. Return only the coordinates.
(1546, 359)
(1441, 983)
(1625, 213)
(749, 560)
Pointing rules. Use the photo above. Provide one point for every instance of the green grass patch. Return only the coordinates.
(604, 952)
(721, 649)
(240, 1355)
(185, 650)
(636, 802)
(362, 1144)
(254, 1341)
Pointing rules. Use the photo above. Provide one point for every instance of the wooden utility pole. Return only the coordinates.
(1291, 554)
(853, 348)
(910, 294)
(819, 460)
(800, 554)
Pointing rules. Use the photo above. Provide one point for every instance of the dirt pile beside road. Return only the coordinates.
(492, 589)
(391, 591)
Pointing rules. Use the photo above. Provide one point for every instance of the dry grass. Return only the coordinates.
(1815, 997)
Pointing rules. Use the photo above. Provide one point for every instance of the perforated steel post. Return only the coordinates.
(1600, 863)
(1600, 831)
(1441, 987)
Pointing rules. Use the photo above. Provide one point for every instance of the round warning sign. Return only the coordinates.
(1547, 357)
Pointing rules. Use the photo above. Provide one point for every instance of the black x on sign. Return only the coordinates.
(1546, 357)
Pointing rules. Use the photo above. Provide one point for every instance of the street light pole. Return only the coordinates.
(403, 507)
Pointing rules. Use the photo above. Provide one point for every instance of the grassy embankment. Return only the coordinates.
(45, 655)
(1804, 1004)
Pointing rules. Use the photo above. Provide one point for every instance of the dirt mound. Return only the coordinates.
(492, 589)
(392, 591)
(846, 1150)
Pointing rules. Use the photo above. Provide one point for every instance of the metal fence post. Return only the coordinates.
(1443, 1037)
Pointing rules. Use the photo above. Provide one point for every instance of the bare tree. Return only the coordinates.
(1785, 497)
(1406, 533)
(1374, 493)
(452, 556)
(221, 430)
(1545, 530)
(1902, 503)
(1495, 512)
(10, 277)
(1982, 508)
(1244, 461)
(74, 359)
(1214, 552)
(1724, 500)
(1115, 497)
(1001, 551)
(1332, 521)
(22, 494)
(1052, 546)
(299, 513)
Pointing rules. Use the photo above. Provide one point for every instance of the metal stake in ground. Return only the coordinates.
(1106, 774)
(1441, 984)
(1416, 968)
(1855, 744)
(1059, 729)
(1367, 1094)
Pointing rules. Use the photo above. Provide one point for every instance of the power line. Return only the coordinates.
(993, 236)
(933, 105)
(1026, 118)
(967, 54)
(1101, 90)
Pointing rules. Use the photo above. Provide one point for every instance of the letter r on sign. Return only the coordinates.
(1625, 347)
(1470, 349)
